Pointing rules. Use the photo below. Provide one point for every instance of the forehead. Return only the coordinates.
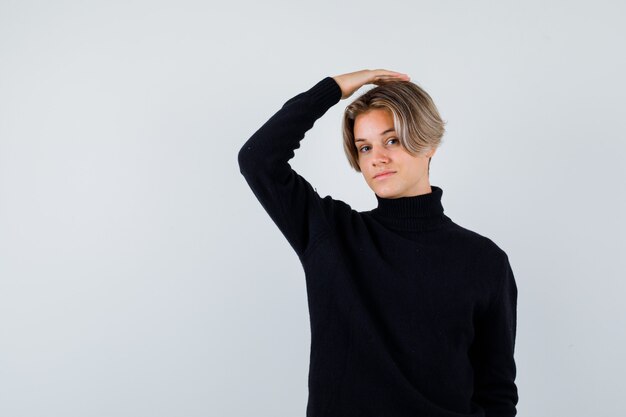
(373, 124)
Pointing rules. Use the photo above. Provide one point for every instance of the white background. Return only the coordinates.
(139, 276)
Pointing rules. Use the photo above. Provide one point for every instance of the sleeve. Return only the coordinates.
(492, 351)
(288, 198)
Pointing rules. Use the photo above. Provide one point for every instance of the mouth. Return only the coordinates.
(383, 175)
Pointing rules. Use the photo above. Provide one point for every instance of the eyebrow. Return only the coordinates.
(391, 129)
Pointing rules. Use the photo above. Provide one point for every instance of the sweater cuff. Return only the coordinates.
(326, 92)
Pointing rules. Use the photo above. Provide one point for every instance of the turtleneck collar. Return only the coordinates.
(420, 212)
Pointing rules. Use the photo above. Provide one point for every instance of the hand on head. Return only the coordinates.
(352, 81)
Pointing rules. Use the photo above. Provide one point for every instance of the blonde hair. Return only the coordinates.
(416, 120)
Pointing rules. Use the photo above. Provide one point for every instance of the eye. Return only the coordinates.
(366, 146)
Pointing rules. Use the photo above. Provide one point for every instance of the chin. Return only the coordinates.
(385, 193)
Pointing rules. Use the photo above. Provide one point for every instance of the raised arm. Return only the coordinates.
(287, 197)
(292, 203)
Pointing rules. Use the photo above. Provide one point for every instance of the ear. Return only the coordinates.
(431, 152)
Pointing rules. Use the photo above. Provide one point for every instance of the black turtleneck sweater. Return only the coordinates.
(410, 313)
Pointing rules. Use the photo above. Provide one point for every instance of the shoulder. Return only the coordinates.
(488, 261)
(338, 212)
(484, 246)
(335, 206)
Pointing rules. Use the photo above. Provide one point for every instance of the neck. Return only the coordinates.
(418, 212)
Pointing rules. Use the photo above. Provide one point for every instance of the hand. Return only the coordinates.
(352, 81)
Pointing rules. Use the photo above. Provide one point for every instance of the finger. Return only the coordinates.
(391, 76)
(389, 72)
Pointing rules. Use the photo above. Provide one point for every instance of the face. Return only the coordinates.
(379, 150)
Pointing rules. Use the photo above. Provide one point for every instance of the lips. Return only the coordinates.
(383, 174)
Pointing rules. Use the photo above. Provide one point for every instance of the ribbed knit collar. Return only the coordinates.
(420, 212)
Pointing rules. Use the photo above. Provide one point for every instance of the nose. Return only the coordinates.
(380, 157)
